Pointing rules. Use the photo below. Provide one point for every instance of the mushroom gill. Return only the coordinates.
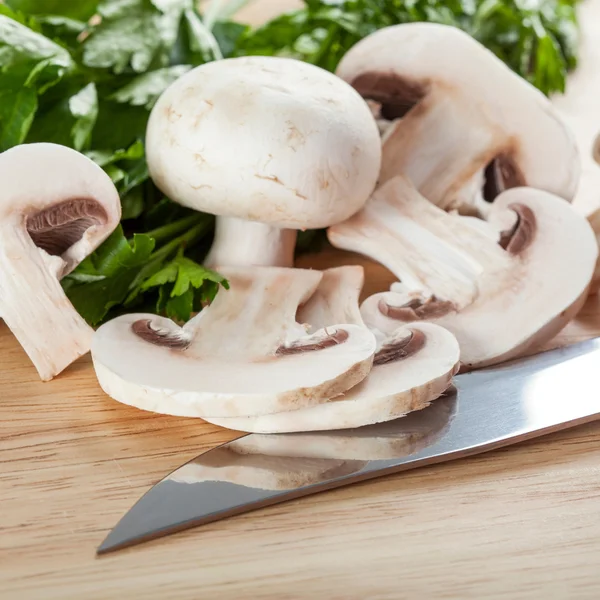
(396, 95)
(56, 228)
(501, 173)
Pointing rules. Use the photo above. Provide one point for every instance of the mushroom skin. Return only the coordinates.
(245, 354)
(497, 297)
(269, 145)
(413, 366)
(461, 125)
(57, 207)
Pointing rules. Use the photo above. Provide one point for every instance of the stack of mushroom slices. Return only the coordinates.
(229, 366)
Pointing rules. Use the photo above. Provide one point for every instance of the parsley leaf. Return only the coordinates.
(74, 9)
(192, 286)
(145, 89)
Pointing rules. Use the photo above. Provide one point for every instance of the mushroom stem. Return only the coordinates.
(336, 300)
(34, 306)
(241, 243)
(429, 250)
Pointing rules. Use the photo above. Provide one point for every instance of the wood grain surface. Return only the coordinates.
(523, 522)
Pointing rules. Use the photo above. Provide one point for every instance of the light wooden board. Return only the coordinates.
(523, 522)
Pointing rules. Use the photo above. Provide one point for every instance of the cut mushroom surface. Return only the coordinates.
(58, 206)
(413, 366)
(245, 354)
(498, 298)
(462, 126)
(269, 145)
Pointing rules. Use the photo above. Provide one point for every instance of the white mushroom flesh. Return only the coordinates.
(413, 366)
(245, 354)
(498, 299)
(58, 206)
(464, 127)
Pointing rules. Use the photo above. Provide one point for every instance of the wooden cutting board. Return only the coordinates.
(522, 522)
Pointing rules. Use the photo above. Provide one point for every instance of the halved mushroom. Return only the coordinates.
(464, 127)
(245, 354)
(497, 298)
(57, 207)
(270, 145)
(413, 366)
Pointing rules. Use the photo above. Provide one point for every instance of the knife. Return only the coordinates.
(485, 409)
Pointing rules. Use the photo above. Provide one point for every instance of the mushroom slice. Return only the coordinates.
(413, 366)
(464, 126)
(497, 298)
(58, 206)
(245, 354)
(269, 145)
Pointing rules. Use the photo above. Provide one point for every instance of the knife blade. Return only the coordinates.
(484, 410)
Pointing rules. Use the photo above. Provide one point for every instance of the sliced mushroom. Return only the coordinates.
(245, 354)
(413, 366)
(58, 206)
(270, 145)
(497, 298)
(464, 126)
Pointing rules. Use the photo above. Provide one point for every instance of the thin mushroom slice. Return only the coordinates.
(245, 354)
(57, 207)
(463, 126)
(413, 366)
(497, 298)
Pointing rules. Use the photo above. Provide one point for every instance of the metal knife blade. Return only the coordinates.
(487, 409)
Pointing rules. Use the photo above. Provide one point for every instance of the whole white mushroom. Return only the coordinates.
(269, 145)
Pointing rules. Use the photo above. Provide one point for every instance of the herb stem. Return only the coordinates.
(189, 237)
(166, 232)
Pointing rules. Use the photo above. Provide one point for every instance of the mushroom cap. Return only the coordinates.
(265, 139)
(69, 203)
(244, 354)
(498, 300)
(466, 108)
